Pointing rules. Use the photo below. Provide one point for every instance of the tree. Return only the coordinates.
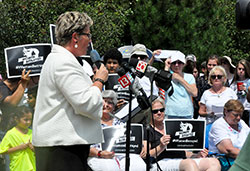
(200, 27)
(27, 22)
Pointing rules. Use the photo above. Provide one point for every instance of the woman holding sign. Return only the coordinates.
(107, 160)
(172, 160)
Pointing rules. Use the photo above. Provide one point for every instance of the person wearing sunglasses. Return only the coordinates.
(69, 104)
(228, 133)
(180, 103)
(213, 99)
(171, 160)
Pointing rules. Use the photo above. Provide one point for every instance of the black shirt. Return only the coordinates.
(154, 139)
(5, 108)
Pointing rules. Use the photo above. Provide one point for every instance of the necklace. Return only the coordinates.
(218, 93)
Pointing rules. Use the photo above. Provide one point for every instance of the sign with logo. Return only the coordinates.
(186, 134)
(115, 138)
(29, 57)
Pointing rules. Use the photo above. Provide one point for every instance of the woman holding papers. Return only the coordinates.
(213, 99)
(172, 160)
(228, 133)
(107, 160)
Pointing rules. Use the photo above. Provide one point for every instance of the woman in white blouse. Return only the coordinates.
(213, 99)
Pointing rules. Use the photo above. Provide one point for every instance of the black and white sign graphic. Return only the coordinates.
(29, 57)
(186, 134)
(115, 138)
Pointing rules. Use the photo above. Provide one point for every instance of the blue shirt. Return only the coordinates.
(180, 103)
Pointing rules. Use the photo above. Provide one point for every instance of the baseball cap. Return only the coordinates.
(190, 57)
(178, 55)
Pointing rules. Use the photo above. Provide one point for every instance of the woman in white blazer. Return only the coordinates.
(69, 105)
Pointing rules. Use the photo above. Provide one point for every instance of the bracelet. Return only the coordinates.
(100, 80)
(99, 154)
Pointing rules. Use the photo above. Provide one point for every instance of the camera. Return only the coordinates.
(243, 14)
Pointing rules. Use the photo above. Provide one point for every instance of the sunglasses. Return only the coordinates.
(216, 76)
(177, 62)
(157, 110)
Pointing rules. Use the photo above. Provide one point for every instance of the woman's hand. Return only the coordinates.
(203, 153)
(165, 139)
(107, 154)
(102, 73)
(120, 103)
(143, 153)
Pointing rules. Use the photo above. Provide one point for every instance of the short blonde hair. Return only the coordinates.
(217, 68)
(70, 22)
(160, 100)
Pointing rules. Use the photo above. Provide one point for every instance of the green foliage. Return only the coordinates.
(27, 22)
(200, 27)
(110, 18)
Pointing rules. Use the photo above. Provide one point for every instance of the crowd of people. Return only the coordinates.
(60, 125)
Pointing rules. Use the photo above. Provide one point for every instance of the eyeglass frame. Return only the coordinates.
(155, 111)
(217, 76)
(89, 35)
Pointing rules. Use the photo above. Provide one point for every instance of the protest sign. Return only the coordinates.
(29, 57)
(186, 134)
(115, 138)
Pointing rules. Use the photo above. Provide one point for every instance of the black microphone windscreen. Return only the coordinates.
(120, 71)
(133, 62)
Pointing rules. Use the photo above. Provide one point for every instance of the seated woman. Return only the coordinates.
(106, 160)
(228, 133)
(172, 160)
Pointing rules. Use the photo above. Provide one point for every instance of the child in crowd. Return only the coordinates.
(17, 142)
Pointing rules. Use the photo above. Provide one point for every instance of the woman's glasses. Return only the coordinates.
(216, 76)
(155, 111)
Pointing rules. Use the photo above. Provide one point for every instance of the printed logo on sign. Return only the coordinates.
(30, 55)
(186, 130)
(141, 66)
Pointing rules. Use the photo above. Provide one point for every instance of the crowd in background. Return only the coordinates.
(216, 91)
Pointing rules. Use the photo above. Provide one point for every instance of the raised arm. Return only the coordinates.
(15, 98)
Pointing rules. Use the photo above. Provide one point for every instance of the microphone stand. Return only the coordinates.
(128, 132)
(148, 125)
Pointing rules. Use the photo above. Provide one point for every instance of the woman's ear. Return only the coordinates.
(75, 37)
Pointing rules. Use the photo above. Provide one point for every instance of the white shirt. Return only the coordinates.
(68, 108)
(221, 130)
(211, 100)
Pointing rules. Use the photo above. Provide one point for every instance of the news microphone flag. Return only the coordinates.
(126, 80)
(141, 66)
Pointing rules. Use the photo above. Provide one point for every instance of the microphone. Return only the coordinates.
(127, 79)
(95, 58)
(161, 77)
